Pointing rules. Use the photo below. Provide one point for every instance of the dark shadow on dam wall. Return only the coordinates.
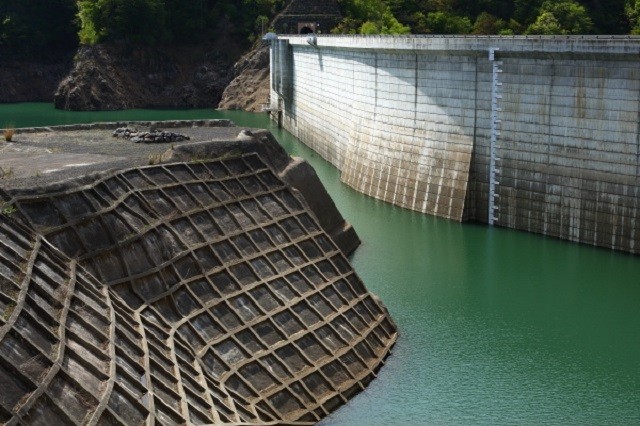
(408, 120)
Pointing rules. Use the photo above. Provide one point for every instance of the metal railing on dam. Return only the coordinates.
(537, 133)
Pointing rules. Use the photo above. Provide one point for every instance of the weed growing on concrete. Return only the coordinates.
(8, 133)
(6, 172)
(8, 311)
(8, 209)
(234, 153)
(155, 159)
(8, 288)
(14, 292)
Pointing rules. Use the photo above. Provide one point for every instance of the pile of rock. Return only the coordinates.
(154, 136)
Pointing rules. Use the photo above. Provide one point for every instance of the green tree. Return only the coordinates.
(608, 16)
(563, 17)
(137, 21)
(348, 25)
(513, 27)
(262, 23)
(370, 17)
(632, 11)
(487, 24)
(186, 21)
(37, 28)
(440, 5)
(447, 23)
(546, 24)
(387, 24)
(526, 11)
(88, 13)
(472, 8)
(369, 28)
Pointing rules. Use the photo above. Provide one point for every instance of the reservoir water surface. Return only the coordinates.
(496, 326)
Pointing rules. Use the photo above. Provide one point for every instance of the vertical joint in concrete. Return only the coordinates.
(638, 138)
(283, 72)
(495, 134)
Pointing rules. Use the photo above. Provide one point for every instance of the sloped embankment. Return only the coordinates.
(200, 292)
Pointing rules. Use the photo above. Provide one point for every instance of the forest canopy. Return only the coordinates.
(487, 17)
(158, 21)
(31, 27)
(37, 27)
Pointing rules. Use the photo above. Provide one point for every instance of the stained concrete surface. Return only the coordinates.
(193, 292)
(408, 120)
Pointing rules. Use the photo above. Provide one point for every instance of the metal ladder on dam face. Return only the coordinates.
(494, 171)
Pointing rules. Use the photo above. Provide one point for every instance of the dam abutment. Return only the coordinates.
(411, 120)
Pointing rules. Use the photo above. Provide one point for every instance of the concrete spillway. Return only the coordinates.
(411, 120)
(202, 292)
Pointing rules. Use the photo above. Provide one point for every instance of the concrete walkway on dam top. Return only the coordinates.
(507, 45)
(201, 289)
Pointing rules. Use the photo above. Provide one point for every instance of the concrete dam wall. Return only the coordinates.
(543, 132)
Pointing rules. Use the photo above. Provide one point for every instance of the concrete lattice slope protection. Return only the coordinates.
(201, 293)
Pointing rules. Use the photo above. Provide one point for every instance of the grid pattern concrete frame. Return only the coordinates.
(200, 293)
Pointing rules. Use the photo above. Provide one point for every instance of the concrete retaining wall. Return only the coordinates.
(407, 120)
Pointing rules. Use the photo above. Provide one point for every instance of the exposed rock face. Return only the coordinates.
(112, 78)
(249, 89)
(23, 81)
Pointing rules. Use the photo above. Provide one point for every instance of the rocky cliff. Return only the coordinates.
(114, 77)
(249, 89)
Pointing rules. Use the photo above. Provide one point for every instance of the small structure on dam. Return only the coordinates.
(202, 291)
(528, 132)
(308, 17)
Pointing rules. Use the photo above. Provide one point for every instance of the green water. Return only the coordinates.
(496, 326)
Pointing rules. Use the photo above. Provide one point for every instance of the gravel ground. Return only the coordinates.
(41, 158)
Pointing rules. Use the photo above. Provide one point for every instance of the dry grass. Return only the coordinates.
(6, 173)
(155, 159)
(8, 133)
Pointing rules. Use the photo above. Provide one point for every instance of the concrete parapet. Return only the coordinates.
(600, 46)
